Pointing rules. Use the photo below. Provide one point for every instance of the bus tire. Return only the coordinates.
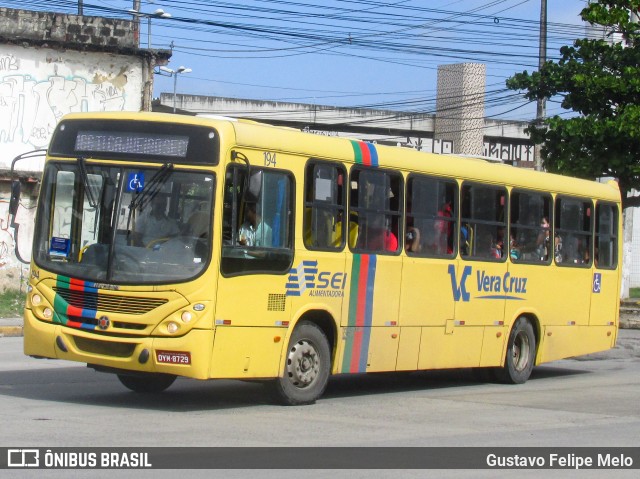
(147, 383)
(521, 353)
(307, 366)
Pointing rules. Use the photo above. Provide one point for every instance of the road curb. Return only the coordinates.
(10, 331)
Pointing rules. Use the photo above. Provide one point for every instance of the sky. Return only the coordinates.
(349, 53)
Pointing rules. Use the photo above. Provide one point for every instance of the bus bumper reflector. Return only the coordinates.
(144, 356)
(61, 345)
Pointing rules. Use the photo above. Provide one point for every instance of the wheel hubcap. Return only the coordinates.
(303, 364)
(521, 349)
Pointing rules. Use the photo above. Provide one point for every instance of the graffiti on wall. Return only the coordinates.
(30, 107)
(506, 151)
(6, 236)
(9, 238)
(430, 145)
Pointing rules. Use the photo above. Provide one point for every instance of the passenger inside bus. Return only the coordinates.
(254, 231)
(444, 230)
(412, 240)
(542, 242)
(155, 225)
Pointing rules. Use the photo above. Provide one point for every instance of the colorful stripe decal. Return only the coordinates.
(364, 153)
(363, 276)
(62, 310)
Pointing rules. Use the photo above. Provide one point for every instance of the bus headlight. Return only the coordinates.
(186, 316)
(36, 299)
(47, 313)
(172, 327)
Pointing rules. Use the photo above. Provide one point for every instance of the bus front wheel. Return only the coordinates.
(307, 366)
(147, 383)
(521, 352)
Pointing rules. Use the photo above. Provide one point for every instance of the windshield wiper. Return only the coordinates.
(149, 190)
(82, 167)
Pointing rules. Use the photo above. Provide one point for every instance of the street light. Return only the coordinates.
(174, 74)
(159, 13)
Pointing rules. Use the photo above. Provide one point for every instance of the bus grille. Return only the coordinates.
(94, 346)
(109, 303)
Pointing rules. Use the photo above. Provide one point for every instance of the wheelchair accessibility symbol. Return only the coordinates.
(597, 282)
(135, 182)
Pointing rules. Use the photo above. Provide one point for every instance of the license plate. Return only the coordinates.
(173, 357)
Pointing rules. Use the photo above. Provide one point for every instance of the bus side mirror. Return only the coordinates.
(14, 201)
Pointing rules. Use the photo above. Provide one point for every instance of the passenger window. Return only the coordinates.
(482, 222)
(432, 212)
(572, 240)
(530, 232)
(324, 206)
(257, 221)
(606, 247)
(376, 196)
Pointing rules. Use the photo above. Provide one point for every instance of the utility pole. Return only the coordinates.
(80, 12)
(136, 22)
(542, 58)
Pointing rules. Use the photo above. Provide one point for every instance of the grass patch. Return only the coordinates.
(634, 292)
(11, 303)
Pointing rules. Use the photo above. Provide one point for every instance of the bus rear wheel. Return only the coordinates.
(147, 383)
(521, 352)
(307, 367)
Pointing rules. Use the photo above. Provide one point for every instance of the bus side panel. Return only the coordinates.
(568, 297)
(246, 352)
(409, 348)
(484, 302)
(493, 345)
(559, 342)
(426, 297)
(370, 313)
(450, 347)
(605, 299)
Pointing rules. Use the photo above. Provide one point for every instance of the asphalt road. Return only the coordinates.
(589, 401)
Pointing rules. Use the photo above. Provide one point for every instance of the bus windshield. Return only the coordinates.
(126, 225)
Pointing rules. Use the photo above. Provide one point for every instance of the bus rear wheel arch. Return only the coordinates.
(521, 353)
(307, 366)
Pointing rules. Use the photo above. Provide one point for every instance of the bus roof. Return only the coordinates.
(252, 134)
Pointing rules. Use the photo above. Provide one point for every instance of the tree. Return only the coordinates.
(600, 80)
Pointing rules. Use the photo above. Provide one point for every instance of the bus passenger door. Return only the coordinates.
(257, 253)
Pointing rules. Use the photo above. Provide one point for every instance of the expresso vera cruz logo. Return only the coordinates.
(488, 286)
(306, 276)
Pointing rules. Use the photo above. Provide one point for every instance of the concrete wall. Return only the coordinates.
(40, 85)
(63, 28)
(52, 64)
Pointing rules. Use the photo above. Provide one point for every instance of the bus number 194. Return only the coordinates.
(269, 158)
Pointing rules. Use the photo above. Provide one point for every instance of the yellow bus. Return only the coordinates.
(209, 248)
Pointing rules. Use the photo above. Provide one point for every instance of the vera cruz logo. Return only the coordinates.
(306, 276)
(489, 286)
(459, 289)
